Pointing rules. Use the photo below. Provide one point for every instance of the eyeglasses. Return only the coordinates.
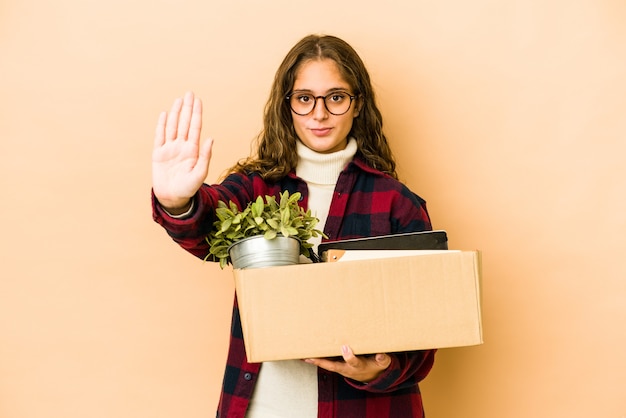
(337, 103)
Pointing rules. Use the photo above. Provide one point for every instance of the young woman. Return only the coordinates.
(322, 137)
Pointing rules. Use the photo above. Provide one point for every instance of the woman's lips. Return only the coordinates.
(321, 131)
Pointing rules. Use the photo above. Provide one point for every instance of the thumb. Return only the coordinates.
(204, 156)
(383, 360)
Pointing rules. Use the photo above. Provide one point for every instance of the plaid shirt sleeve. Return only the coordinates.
(190, 232)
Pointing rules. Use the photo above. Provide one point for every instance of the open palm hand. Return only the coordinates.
(179, 164)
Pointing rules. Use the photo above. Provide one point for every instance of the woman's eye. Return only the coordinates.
(337, 97)
(305, 98)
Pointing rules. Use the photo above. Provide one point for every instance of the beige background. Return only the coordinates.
(509, 117)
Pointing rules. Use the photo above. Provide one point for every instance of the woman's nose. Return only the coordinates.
(319, 111)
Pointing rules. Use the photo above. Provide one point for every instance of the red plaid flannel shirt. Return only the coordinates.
(365, 203)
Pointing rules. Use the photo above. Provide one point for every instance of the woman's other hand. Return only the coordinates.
(179, 164)
(363, 369)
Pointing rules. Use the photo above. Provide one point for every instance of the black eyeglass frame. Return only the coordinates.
(315, 98)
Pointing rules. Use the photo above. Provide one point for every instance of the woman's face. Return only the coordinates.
(320, 130)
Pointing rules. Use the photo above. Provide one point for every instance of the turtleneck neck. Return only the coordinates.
(323, 169)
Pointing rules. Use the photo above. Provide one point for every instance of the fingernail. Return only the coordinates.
(345, 349)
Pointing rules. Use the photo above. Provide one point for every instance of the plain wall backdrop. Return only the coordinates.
(508, 117)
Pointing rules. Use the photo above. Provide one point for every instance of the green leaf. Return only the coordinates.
(294, 198)
(219, 250)
(257, 207)
(226, 225)
(224, 213)
(271, 202)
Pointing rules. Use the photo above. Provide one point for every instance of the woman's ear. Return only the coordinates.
(358, 106)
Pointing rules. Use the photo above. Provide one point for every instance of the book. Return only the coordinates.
(425, 240)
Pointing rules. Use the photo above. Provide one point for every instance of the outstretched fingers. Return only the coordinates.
(171, 124)
(185, 115)
(183, 121)
(195, 123)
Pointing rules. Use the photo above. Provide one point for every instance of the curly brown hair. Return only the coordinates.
(276, 154)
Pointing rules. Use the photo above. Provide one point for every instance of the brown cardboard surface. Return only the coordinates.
(377, 305)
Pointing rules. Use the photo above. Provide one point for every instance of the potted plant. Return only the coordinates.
(264, 233)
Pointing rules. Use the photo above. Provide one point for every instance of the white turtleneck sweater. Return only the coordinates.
(289, 387)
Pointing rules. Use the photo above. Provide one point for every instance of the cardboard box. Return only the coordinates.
(377, 305)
